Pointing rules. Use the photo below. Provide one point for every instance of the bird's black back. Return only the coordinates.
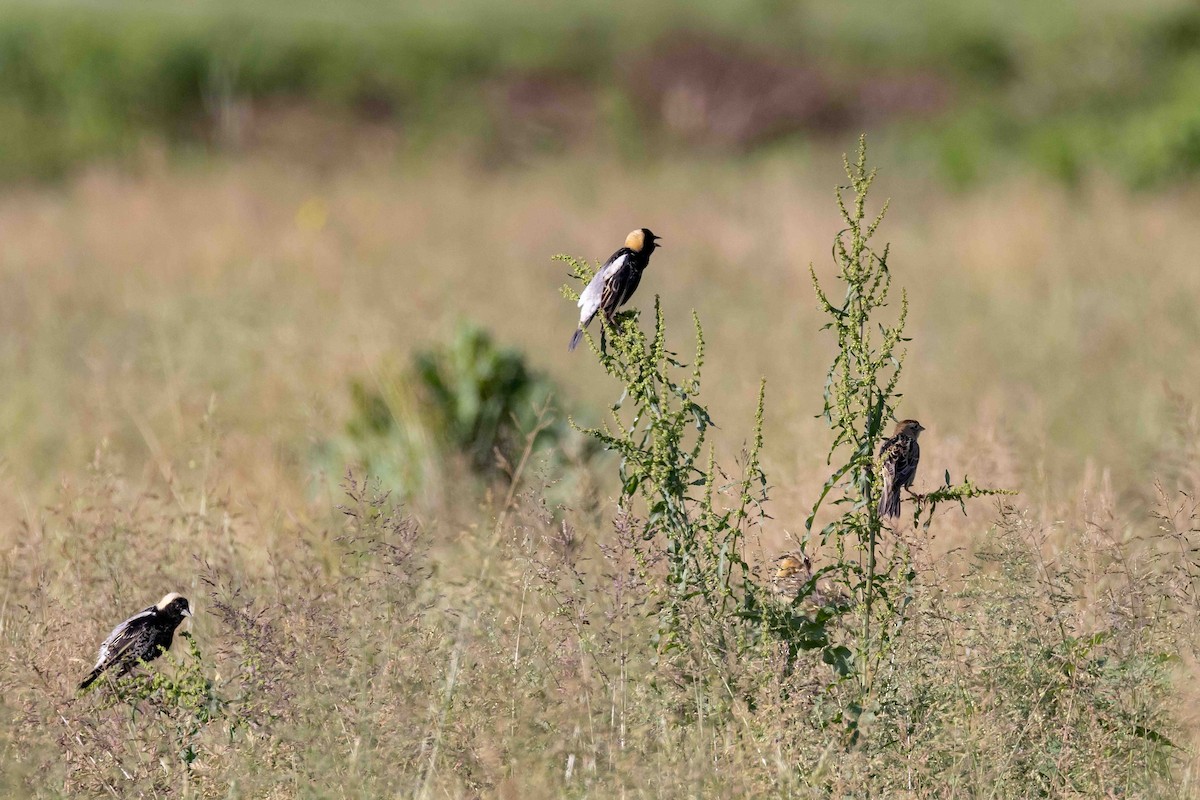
(624, 282)
(615, 282)
(143, 637)
(900, 455)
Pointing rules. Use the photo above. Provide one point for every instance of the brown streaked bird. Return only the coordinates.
(792, 571)
(143, 637)
(899, 456)
(616, 281)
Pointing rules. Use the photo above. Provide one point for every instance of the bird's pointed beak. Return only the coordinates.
(187, 612)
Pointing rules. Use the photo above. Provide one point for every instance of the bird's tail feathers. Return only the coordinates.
(575, 339)
(889, 504)
(90, 679)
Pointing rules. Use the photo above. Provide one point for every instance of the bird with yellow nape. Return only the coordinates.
(616, 281)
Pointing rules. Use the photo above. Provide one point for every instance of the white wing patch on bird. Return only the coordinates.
(107, 646)
(589, 299)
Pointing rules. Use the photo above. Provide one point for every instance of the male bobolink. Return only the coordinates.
(143, 637)
(899, 456)
(616, 281)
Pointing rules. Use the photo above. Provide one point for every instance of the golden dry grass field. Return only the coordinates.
(1058, 323)
(178, 337)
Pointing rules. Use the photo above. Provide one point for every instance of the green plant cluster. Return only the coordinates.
(468, 400)
(183, 702)
(658, 429)
(845, 658)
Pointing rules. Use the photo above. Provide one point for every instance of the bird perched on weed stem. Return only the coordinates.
(899, 456)
(143, 637)
(616, 281)
(792, 571)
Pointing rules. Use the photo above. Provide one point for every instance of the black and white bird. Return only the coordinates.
(616, 281)
(143, 637)
(899, 456)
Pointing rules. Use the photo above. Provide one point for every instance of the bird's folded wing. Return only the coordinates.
(906, 465)
(589, 299)
(120, 639)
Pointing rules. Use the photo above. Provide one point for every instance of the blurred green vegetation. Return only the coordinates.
(1067, 87)
(466, 403)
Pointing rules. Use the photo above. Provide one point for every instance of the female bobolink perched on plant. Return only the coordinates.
(616, 281)
(792, 571)
(143, 637)
(899, 456)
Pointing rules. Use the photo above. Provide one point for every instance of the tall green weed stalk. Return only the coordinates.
(693, 515)
(861, 397)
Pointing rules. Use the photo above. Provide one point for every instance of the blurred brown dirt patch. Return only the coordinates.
(710, 92)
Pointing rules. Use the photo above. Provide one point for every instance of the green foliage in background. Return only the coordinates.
(481, 398)
(1069, 87)
(468, 401)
